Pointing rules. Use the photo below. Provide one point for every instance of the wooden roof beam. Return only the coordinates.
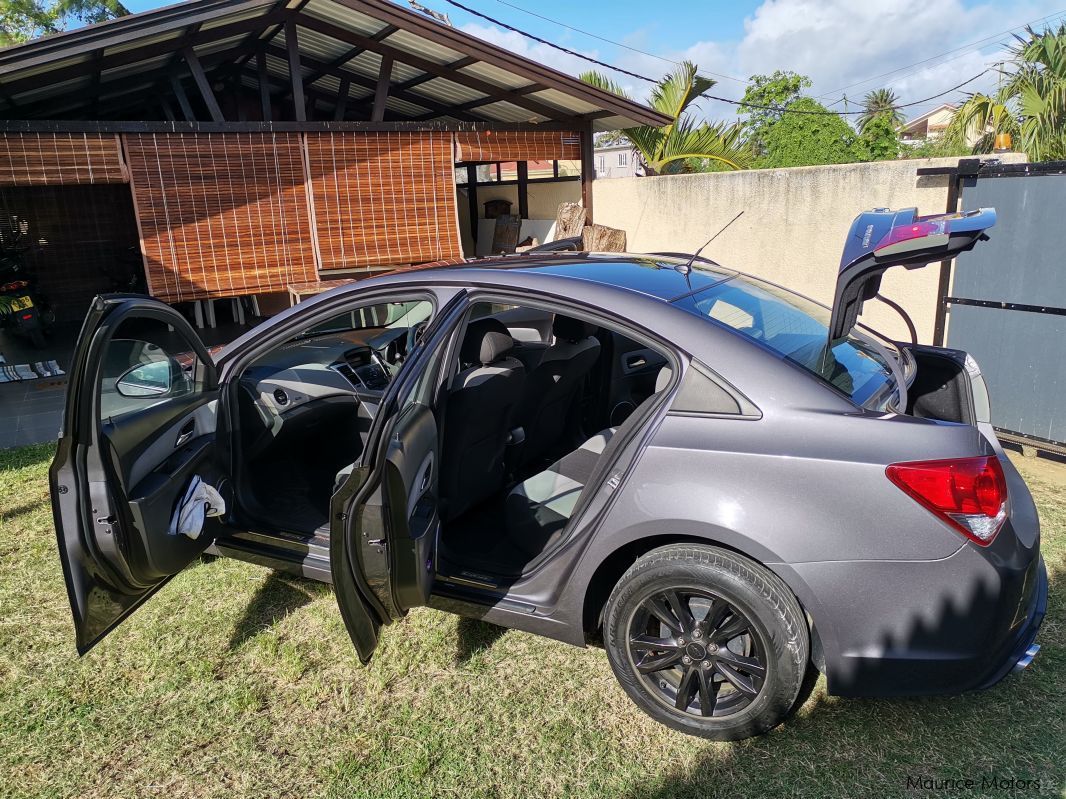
(424, 64)
(369, 83)
(136, 54)
(427, 76)
(200, 78)
(348, 55)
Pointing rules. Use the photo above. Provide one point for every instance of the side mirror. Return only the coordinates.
(148, 379)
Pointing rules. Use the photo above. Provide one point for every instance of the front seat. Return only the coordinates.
(553, 385)
(482, 401)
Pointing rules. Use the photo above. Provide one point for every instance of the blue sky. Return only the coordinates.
(918, 48)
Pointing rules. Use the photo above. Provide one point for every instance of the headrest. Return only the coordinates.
(569, 329)
(486, 340)
(662, 380)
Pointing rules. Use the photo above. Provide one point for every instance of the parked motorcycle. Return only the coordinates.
(22, 309)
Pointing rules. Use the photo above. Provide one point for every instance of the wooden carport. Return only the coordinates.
(266, 142)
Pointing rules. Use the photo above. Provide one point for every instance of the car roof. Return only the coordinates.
(663, 277)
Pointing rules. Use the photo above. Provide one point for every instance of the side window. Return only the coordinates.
(385, 315)
(145, 363)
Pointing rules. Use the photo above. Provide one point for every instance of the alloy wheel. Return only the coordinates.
(696, 652)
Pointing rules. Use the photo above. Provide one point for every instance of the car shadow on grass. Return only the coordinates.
(276, 598)
(473, 637)
(887, 747)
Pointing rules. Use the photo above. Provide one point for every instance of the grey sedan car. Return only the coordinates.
(727, 485)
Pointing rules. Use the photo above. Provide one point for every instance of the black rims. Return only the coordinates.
(696, 652)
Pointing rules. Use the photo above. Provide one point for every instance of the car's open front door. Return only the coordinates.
(385, 518)
(139, 426)
(882, 239)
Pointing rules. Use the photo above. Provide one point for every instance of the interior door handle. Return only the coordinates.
(636, 361)
(185, 434)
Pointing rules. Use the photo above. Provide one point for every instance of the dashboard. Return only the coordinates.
(355, 363)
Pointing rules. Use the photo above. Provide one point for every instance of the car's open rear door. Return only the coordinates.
(139, 427)
(882, 239)
(385, 520)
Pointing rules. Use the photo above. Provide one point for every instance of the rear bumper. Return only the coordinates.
(909, 628)
(1021, 650)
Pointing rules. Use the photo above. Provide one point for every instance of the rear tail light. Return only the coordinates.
(969, 494)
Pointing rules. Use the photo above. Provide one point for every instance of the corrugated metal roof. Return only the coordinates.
(482, 86)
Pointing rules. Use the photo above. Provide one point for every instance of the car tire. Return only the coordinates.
(740, 616)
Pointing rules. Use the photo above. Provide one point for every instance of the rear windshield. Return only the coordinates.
(796, 328)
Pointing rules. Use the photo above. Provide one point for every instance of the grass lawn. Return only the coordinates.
(237, 681)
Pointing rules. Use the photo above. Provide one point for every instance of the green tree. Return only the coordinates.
(806, 136)
(879, 139)
(673, 147)
(1030, 103)
(880, 104)
(21, 20)
(763, 95)
(938, 147)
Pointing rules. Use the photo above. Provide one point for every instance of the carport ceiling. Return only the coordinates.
(352, 60)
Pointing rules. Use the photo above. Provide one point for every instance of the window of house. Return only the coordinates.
(601, 163)
(623, 159)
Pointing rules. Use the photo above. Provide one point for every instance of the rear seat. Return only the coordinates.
(538, 508)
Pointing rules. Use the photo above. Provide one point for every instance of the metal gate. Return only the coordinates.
(1007, 301)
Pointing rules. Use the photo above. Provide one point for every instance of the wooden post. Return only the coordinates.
(203, 85)
(471, 192)
(588, 171)
(342, 100)
(292, 46)
(523, 189)
(381, 92)
(264, 84)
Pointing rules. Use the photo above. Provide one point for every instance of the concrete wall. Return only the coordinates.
(793, 228)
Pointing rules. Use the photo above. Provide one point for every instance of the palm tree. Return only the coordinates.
(1030, 103)
(667, 149)
(880, 103)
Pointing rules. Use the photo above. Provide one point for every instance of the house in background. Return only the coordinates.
(930, 125)
(616, 161)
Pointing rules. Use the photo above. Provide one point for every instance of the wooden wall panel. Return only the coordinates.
(518, 145)
(221, 215)
(383, 199)
(56, 159)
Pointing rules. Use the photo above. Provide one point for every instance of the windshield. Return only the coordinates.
(797, 329)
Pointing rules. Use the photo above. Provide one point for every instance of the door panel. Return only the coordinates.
(385, 516)
(410, 479)
(139, 423)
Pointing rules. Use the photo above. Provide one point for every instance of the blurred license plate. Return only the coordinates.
(21, 303)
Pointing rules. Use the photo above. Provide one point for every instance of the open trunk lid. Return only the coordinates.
(881, 238)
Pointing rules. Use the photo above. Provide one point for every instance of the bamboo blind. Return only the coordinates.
(221, 215)
(55, 159)
(383, 199)
(518, 145)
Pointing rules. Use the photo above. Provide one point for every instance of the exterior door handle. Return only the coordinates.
(185, 434)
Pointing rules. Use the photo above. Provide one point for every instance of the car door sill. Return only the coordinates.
(304, 557)
(445, 589)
